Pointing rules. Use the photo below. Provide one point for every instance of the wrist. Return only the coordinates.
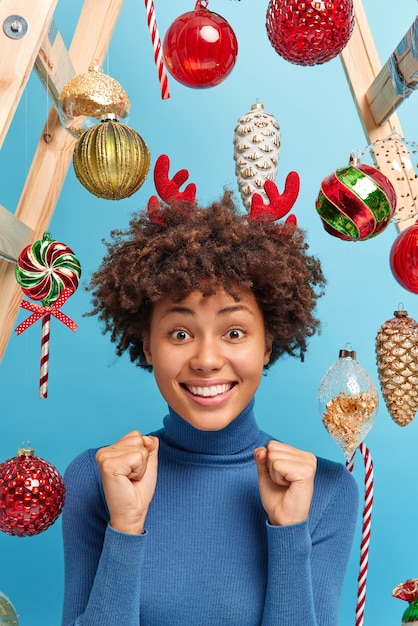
(122, 525)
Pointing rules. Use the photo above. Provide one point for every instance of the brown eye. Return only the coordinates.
(235, 333)
(180, 335)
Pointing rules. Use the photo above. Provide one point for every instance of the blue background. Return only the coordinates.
(95, 397)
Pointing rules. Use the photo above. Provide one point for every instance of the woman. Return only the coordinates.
(208, 520)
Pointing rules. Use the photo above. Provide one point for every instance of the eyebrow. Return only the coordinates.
(223, 312)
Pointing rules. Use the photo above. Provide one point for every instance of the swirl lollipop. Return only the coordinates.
(47, 270)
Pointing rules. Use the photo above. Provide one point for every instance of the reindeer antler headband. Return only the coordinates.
(169, 191)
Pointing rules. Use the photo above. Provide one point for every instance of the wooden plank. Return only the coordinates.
(53, 64)
(14, 235)
(18, 55)
(53, 155)
(397, 79)
(361, 65)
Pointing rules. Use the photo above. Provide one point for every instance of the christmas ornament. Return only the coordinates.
(309, 33)
(348, 401)
(32, 494)
(397, 365)
(200, 48)
(403, 258)
(46, 270)
(408, 590)
(111, 160)
(356, 202)
(256, 152)
(400, 157)
(158, 53)
(87, 97)
(7, 612)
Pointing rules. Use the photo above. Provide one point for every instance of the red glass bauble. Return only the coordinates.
(200, 48)
(32, 494)
(311, 32)
(404, 258)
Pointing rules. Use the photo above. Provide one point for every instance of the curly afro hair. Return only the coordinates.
(201, 249)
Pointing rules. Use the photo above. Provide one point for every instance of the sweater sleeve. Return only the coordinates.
(102, 566)
(307, 561)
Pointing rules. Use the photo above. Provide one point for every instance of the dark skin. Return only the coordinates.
(218, 255)
(204, 341)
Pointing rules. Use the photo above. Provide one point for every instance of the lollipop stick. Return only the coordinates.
(365, 537)
(45, 336)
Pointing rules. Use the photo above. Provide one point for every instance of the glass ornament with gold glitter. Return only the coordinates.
(348, 402)
(111, 160)
(90, 96)
(8, 615)
(256, 152)
(397, 366)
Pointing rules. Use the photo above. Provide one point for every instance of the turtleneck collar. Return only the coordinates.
(238, 436)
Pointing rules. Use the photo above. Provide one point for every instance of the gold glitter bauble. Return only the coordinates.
(92, 95)
(111, 160)
(397, 365)
(7, 612)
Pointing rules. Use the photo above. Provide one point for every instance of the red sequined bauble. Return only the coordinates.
(404, 258)
(200, 48)
(32, 494)
(311, 32)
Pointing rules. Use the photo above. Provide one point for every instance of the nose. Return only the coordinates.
(207, 355)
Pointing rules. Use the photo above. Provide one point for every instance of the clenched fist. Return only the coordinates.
(286, 481)
(129, 475)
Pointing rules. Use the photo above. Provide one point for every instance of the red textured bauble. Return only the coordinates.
(200, 48)
(310, 32)
(404, 258)
(32, 494)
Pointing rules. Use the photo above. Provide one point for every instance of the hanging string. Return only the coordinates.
(366, 529)
(158, 55)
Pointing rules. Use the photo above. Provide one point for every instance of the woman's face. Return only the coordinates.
(207, 355)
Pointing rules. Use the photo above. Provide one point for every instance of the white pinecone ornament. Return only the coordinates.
(256, 152)
(397, 364)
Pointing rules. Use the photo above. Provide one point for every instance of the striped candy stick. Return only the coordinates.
(366, 530)
(45, 337)
(158, 55)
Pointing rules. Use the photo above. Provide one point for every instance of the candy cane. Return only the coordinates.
(45, 335)
(156, 42)
(365, 537)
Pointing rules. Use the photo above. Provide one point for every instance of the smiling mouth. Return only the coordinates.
(210, 391)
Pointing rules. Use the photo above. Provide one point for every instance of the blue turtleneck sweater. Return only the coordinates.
(208, 556)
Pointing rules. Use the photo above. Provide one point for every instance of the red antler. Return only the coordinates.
(280, 204)
(169, 190)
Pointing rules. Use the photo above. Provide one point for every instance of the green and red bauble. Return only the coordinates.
(356, 202)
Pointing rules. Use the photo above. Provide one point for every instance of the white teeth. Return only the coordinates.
(207, 392)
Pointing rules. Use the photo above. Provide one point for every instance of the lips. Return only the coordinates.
(209, 391)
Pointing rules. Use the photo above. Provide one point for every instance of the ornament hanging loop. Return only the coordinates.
(201, 4)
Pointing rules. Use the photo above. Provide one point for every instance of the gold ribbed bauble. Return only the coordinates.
(111, 160)
(90, 96)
